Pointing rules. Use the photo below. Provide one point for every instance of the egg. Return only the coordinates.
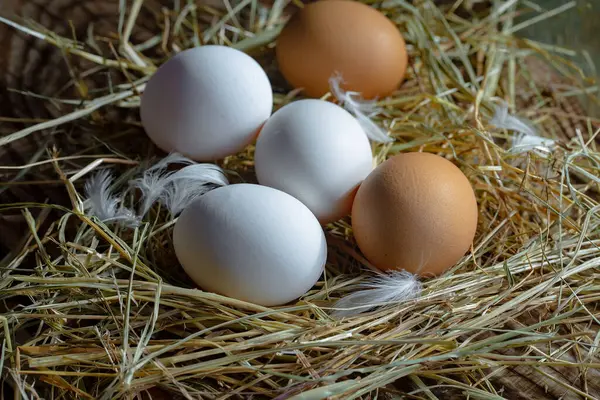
(417, 212)
(252, 243)
(344, 37)
(207, 102)
(317, 152)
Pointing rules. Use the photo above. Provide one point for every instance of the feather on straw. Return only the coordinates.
(185, 185)
(151, 183)
(362, 109)
(176, 190)
(395, 287)
(102, 203)
(527, 138)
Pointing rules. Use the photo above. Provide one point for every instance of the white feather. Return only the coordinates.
(176, 190)
(152, 182)
(362, 109)
(102, 203)
(382, 289)
(524, 143)
(527, 138)
(185, 185)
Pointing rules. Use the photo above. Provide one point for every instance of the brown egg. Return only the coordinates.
(415, 211)
(346, 37)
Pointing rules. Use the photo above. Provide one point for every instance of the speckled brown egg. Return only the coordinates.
(346, 37)
(415, 211)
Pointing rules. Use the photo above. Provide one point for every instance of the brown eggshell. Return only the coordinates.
(342, 36)
(415, 211)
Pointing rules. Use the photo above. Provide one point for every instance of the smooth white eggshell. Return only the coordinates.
(317, 152)
(207, 102)
(252, 243)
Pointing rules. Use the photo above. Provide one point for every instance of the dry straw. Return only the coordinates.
(102, 311)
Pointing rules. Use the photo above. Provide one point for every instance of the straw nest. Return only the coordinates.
(93, 311)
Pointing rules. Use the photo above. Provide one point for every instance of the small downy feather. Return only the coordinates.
(527, 138)
(176, 190)
(363, 110)
(152, 182)
(185, 185)
(102, 203)
(382, 289)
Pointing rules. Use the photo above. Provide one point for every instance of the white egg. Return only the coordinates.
(317, 152)
(252, 243)
(207, 102)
